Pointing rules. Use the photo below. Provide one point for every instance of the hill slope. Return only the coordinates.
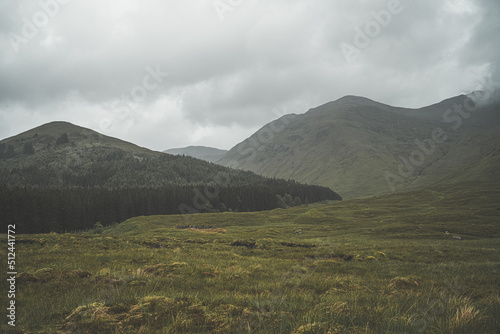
(209, 154)
(60, 154)
(360, 147)
(60, 177)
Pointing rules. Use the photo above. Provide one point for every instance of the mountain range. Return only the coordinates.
(73, 176)
(59, 177)
(360, 147)
(209, 154)
(354, 145)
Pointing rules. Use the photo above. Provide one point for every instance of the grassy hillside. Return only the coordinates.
(353, 144)
(61, 154)
(45, 136)
(61, 177)
(425, 261)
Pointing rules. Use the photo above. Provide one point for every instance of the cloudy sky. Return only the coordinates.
(165, 73)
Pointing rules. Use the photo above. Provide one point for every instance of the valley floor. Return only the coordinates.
(421, 262)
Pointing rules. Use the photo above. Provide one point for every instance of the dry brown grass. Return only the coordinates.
(464, 319)
(398, 282)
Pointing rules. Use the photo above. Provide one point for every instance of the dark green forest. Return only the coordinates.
(75, 179)
(43, 210)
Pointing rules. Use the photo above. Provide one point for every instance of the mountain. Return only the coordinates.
(209, 154)
(360, 147)
(60, 154)
(60, 177)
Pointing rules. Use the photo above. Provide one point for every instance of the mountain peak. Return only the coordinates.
(354, 98)
(65, 123)
(57, 124)
(54, 128)
(45, 138)
(354, 143)
(347, 104)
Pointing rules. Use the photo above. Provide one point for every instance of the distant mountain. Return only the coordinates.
(209, 154)
(60, 177)
(360, 147)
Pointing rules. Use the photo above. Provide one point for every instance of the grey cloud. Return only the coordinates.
(484, 47)
(265, 56)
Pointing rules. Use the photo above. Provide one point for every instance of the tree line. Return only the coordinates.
(43, 210)
(70, 183)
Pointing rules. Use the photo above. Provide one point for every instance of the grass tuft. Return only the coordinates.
(360, 268)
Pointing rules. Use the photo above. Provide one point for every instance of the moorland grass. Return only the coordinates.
(421, 262)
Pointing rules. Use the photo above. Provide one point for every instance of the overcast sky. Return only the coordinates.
(165, 73)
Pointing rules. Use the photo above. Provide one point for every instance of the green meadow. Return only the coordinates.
(421, 262)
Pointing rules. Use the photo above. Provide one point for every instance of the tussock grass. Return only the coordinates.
(378, 265)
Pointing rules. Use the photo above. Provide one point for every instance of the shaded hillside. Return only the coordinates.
(60, 154)
(360, 147)
(60, 177)
(209, 154)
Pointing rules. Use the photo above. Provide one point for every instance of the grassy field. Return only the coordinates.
(422, 262)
